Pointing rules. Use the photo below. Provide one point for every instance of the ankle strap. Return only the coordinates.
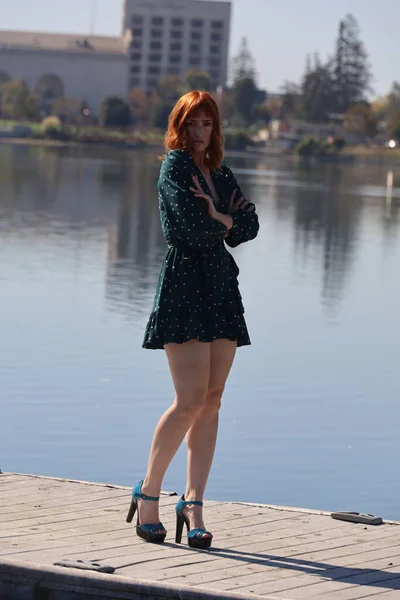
(137, 493)
(195, 502)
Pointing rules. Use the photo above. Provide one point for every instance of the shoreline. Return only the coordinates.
(347, 156)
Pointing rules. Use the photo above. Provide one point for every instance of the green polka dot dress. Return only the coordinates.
(197, 295)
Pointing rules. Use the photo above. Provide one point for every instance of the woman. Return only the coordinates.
(197, 313)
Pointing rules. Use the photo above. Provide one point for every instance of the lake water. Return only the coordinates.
(311, 412)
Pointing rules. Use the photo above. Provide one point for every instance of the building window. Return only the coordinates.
(156, 33)
(177, 22)
(196, 35)
(194, 61)
(176, 35)
(216, 37)
(136, 44)
(214, 49)
(217, 24)
(136, 32)
(214, 62)
(153, 70)
(175, 46)
(157, 21)
(137, 20)
(175, 58)
(173, 70)
(151, 82)
(194, 48)
(197, 23)
(134, 82)
(155, 45)
(214, 75)
(135, 69)
(155, 57)
(136, 56)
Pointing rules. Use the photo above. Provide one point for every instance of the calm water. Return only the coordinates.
(311, 411)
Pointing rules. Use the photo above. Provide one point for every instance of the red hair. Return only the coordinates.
(176, 137)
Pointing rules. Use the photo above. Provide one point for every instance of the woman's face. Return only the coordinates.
(199, 130)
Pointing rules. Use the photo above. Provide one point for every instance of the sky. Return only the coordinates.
(280, 33)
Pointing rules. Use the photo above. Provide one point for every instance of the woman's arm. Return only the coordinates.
(187, 216)
(245, 220)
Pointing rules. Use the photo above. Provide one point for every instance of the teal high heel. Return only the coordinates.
(195, 536)
(147, 532)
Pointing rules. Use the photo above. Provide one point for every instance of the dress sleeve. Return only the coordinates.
(245, 223)
(187, 215)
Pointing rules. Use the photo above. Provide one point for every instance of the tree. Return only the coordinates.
(352, 75)
(292, 101)
(170, 88)
(160, 114)
(67, 109)
(360, 120)
(244, 89)
(114, 111)
(243, 63)
(198, 80)
(317, 91)
(18, 101)
(140, 104)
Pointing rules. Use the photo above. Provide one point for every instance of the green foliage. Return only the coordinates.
(317, 91)
(342, 81)
(237, 140)
(170, 88)
(395, 133)
(115, 112)
(313, 147)
(160, 114)
(243, 63)
(198, 80)
(351, 71)
(18, 101)
(361, 120)
(245, 94)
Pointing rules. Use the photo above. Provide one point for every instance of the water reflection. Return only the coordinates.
(80, 252)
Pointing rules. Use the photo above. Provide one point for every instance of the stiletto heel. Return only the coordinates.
(147, 531)
(131, 511)
(180, 521)
(195, 537)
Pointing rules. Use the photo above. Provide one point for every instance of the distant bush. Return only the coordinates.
(115, 112)
(314, 147)
(237, 140)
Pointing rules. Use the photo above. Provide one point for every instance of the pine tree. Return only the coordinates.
(352, 75)
(244, 89)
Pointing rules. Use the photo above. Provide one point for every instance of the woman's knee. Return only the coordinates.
(213, 399)
(190, 405)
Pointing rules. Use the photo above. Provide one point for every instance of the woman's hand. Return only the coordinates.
(212, 211)
(242, 203)
(199, 193)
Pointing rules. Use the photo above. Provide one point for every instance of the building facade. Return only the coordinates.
(159, 38)
(66, 66)
(171, 37)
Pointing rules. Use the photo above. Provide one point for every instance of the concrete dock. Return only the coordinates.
(259, 551)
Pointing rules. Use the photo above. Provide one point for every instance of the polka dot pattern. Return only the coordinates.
(197, 295)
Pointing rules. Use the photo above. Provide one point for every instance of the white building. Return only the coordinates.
(70, 66)
(171, 37)
(159, 37)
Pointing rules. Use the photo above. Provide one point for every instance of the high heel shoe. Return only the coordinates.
(195, 536)
(148, 532)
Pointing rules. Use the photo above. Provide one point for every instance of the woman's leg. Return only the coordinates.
(201, 437)
(190, 369)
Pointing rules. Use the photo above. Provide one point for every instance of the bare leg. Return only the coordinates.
(190, 369)
(201, 437)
